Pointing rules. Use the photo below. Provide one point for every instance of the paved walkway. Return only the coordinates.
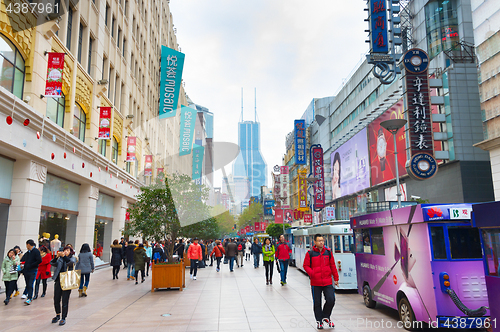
(238, 301)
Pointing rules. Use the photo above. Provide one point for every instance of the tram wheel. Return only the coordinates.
(367, 297)
(406, 314)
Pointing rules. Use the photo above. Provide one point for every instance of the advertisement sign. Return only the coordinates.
(381, 142)
(172, 63)
(148, 165)
(391, 193)
(317, 172)
(330, 213)
(278, 216)
(247, 229)
(302, 190)
(268, 207)
(288, 216)
(300, 142)
(263, 227)
(308, 218)
(378, 26)
(131, 140)
(257, 226)
(349, 164)
(188, 118)
(160, 171)
(104, 122)
(297, 214)
(198, 152)
(285, 192)
(276, 189)
(53, 83)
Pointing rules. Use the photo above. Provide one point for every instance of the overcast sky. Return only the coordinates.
(291, 51)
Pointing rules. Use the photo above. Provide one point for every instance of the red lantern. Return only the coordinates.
(9, 120)
(74, 149)
(99, 169)
(64, 155)
(90, 174)
(52, 156)
(37, 135)
(26, 122)
(83, 165)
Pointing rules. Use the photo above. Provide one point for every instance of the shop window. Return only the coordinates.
(79, 123)
(12, 68)
(102, 147)
(55, 224)
(377, 239)
(114, 150)
(438, 243)
(55, 109)
(441, 22)
(491, 239)
(464, 243)
(80, 43)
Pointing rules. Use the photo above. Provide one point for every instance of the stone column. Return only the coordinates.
(119, 209)
(85, 225)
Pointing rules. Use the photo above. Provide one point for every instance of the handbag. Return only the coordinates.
(70, 279)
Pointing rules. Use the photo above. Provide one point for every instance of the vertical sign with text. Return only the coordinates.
(172, 63)
(198, 152)
(131, 142)
(148, 165)
(300, 142)
(188, 118)
(104, 122)
(317, 172)
(285, 190)
(276, 189)
(302, 189)
(378, 26)
(53, 83)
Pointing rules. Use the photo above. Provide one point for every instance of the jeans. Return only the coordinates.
(84, 280)
(284, 269)
(231, 263)
(194, 267)
(37, 286)
(29, 277)
(256, 260)
(58, 295)
(131, 270)
(218, 262)
(269, 269)
(9, 288)
(326, 311)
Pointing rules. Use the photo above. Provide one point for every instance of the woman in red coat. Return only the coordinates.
(43, 271)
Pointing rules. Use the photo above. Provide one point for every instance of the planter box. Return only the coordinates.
(168, 276)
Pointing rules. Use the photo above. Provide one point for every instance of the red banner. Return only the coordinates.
(104, 122)
(263, 226)
(55, 66)
(160, 171)
(302, 190)
(247, 229)
(257, 226)
(278, 216)
(131, 141)
(317, 172)
(298, 214)
(148, 166)
(308, 218)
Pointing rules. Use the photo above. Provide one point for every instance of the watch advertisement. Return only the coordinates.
(381, 143)
(350, 167)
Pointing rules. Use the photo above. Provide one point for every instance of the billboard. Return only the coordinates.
(300, 142)
(381, 146)
(172, 63)
(349, 165)
(330, 213)
(268, 207)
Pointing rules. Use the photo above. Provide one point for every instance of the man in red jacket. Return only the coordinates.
(320, 266)
(194, 254)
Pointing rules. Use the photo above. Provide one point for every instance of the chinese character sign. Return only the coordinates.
(318, 172)
(285, 187)
(131, 141)
(188, 118)
(148, 166)
(308, 218)
(172, 63)
(198, 152)
(419, 113)
(330, 213)
(278, 216)
(302, 190)
(104, 122)
(53, 84)
(276, 189)
(378, 26)
(300, 142)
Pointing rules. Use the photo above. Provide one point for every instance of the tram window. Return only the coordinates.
(438, 245)
(358, 235)
(367, 248)
(492, 250)
(336, 242)
(464, 243)
(378, 241)
(307, 242)
(347, 243)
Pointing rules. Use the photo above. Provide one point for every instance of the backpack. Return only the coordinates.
(240, 247)
(156, 256)
(311, 251)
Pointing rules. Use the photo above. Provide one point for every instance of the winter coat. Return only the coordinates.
(44, 267)
(140, 258)
(218, 251)
(85, 262)
(130, 253)
(248, 247)
(320, 266)
(7, 267)
(231, 249)
(149, 252)
(256, 248)
(194, 251)
(268, 253)
(283, 251)
(31, 259)
(116, 255)
(62, 264)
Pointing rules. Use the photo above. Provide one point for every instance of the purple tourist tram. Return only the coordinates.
(424, 261)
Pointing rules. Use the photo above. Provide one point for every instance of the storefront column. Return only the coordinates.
(85, 225)
(119, 209)
(28, 179)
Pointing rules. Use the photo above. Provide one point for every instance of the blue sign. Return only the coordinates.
(172, 63)
(378, 25)
(435, 212)
(422, 166)
(198, 152)
(416, 61)
(268, 207)
(188, 118)
(300, 142)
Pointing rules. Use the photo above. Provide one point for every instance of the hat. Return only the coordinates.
(195, 238)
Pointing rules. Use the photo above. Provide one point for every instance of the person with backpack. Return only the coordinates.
(218, 251)
(241, 249)
(256, 250)
(283, 251)
(268, 258)
(319, 264)
(158, 254)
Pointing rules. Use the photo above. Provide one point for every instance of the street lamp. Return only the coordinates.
(393, 126)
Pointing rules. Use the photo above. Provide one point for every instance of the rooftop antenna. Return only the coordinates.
(242, 104)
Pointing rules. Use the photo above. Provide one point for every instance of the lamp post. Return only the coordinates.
(393, 126)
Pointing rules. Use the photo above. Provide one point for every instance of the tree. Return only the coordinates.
(206, 229)
(225, 220)
(250, 215)
(275, 230)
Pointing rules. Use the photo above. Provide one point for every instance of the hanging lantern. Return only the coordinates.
(64, 154)
(9, 120)
(26, 122)
(37, 135)
(83, 165)
(52, 156)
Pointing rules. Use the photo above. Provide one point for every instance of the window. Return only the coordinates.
(55, 110)
(336, 243)
(102, 147)
(79, 123)
(124, 45)
(127, 167)
(378, 241)
(113, 27)
(89, 60)
(70, 27)
(114, 151)
(80, 43)
(441, 21)
(464, 242)
(118, 37)
(12, 68)
(107, 13)
(491, 239)
(358, 236)
(438, 244)
(347, 243)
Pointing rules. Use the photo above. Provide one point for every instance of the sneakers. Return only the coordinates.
(142, 280)
(22, 296)
(62, 322)
(16, 293)
(319, 325)
(27, 302)
(283, 283)
(6, 301)
(194, 278)
(328, 323)
(56, 319)
(128, 278)
(191, 276)
(132, 278)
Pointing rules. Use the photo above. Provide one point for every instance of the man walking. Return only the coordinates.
(31, 259)
(283, 256)
(130, 260)
(218, 251)
(195, 255)
(231, 252)
(241, 249)
(320, 266)
(124, 252)
(179, 249)
(256, 250)
(211, 246)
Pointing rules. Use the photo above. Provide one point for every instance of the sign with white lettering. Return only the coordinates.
(172, 63)
(188, 118)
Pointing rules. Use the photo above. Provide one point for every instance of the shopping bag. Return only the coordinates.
(70, 279)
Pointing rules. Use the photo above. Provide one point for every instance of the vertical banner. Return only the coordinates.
(131, 141)
(188, 118)
(263, 227)
(378, 26)
(172, 63)
(317, 172)
(160, 171)
(330, 213)
(276, 189)
(297, 214)
(198, 152)
(285, 190)
(148, 165)
(308, 218)
(257, 226)
(300, 142)
(247, 229)
(53, 83)
(288, 216)
(104, 122)
(278, 216)
(302, 190)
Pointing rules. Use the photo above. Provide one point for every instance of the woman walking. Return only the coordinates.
(268, 258)
(62, 261)
(149, 254)
(116, 258)
(218, 251)
(9, 272)
(248, 250)
(139, 261)
(43, 271)
(86, 266)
